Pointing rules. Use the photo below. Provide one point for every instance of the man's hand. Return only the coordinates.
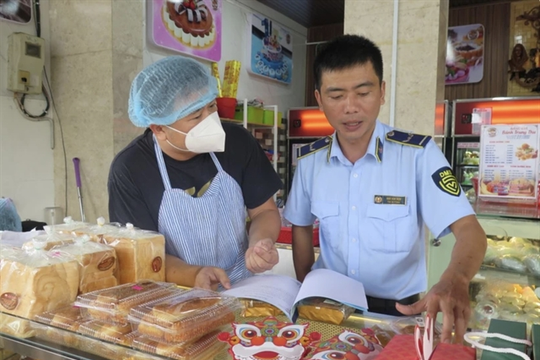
(451, 296)
(210, 277)
(261, 257)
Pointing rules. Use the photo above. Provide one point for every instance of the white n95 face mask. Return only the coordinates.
(205, 137)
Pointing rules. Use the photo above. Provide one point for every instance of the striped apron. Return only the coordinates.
(209, 230)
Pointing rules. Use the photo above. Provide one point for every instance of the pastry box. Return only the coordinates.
(113, 304)
(184, 316)
(114, 333)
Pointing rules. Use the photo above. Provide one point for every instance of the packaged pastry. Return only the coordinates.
(97, 231)
(51, 239)
(97, 263)
(113, 304)
(141, 254)
(114, 333)
(67, 318)
(325, 310)
(207, 347)
(254, 308)
(184, 316)
(32, 282)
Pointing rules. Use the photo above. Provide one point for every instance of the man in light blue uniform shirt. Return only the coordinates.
(373, 188)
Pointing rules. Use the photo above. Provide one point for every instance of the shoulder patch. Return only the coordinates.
(410, 139)
(313, 147)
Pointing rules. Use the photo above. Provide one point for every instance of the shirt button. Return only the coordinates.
(353, 240)
(353, 272)
(354, 207)
(355, 175)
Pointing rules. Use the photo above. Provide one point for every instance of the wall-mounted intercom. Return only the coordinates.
(26, 58)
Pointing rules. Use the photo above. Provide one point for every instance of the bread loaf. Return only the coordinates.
(97, 263)
(117, 334)
(141, 254)
(32, 283)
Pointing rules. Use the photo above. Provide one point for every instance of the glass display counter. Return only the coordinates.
(45, 342)
(507, 286)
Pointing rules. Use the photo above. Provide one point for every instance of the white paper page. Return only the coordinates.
(277, 290)
(335, 286)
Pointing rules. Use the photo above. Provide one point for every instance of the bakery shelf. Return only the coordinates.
(251, 125)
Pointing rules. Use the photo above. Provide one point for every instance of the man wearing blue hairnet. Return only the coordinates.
(191, 178)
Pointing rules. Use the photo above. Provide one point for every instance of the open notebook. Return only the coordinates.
(285, 292)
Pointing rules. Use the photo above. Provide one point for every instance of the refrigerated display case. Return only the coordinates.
(469, 116)
(306, 125)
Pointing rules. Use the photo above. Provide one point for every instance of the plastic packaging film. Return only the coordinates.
(113, 304)
(97, 263)
(47, 280)
(231, 78)
(140, 253)
(325, 310)
(184, 316)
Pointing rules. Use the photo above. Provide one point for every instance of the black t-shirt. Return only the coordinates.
(136, 188)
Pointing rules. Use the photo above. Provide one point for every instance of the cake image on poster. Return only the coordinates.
(190, 22)
(269, 60)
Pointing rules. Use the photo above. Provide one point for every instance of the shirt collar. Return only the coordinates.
(375, 146)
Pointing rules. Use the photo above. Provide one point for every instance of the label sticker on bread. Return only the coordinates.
(157, 263)
(9, 300)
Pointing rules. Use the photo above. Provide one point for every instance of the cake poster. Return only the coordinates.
(509, 161)
(188, 26)
(271, 49)
(464, 54)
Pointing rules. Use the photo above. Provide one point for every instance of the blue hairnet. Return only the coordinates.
(170, 89)
(9, 218)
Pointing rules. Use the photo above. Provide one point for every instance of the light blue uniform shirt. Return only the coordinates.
(372, 212)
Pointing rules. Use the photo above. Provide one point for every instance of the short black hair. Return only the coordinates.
(346, 51)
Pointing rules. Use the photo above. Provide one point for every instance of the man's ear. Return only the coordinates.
(158, 132)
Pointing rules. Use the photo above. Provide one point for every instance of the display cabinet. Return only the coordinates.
(507, 286)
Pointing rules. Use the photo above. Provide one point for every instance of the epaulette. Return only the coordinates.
(410, 139)
(313, 147)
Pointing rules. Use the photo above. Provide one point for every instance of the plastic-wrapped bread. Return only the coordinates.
(113, 304)
(69, 226)
(97, 263)
(98, 230)
(37, 281)
(51, 238)
(184, 316)
(141, 254)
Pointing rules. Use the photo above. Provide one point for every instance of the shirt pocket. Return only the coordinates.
(389, 228)
(329, 222)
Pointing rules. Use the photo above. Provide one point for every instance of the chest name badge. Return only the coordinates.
(390, 200)
(446, 181)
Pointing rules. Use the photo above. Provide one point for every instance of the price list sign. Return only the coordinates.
(509, 161)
